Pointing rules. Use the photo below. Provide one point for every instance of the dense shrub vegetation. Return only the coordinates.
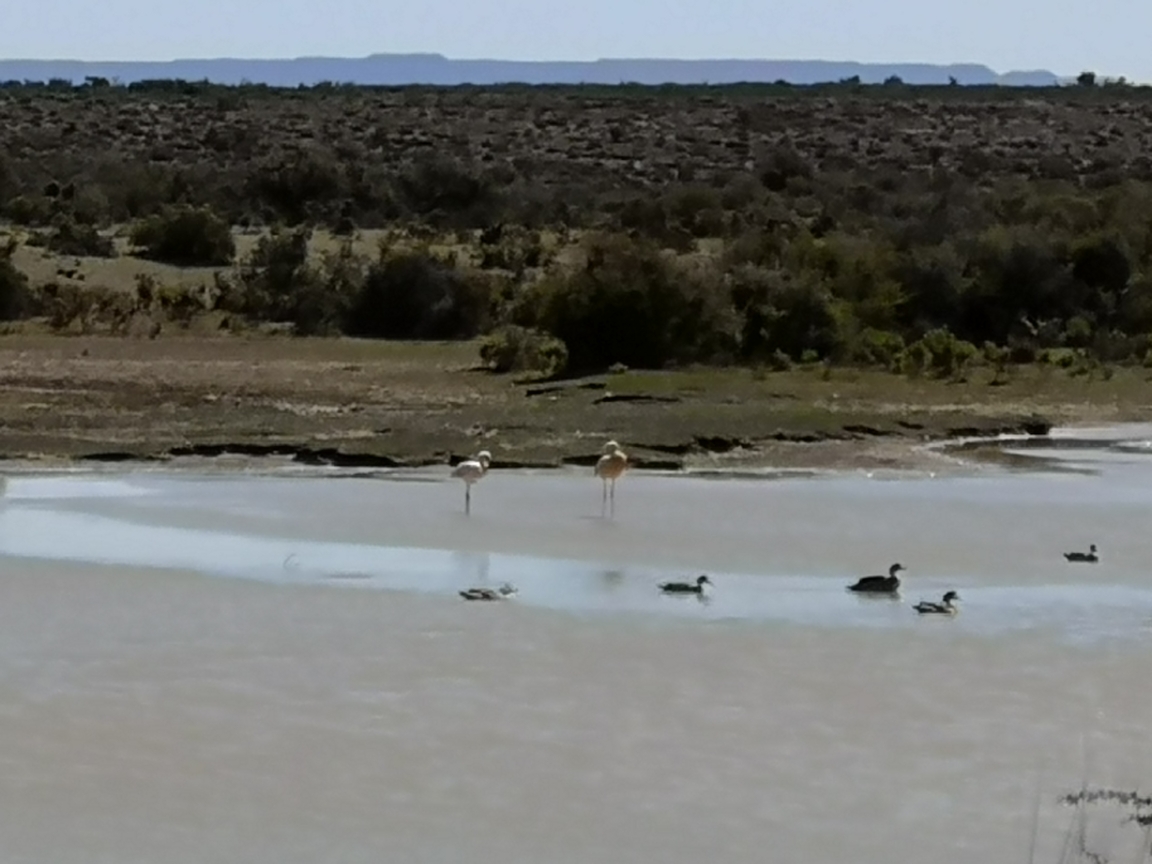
(185, 236)
(13, 285)
(415, 295)
(919, 229)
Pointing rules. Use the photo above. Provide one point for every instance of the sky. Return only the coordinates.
(1110, 37)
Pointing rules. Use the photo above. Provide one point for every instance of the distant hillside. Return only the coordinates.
(401, 69)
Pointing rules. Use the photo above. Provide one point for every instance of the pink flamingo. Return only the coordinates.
(472, 471)
(608, 468)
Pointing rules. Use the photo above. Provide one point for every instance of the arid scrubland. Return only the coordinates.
(759, 273)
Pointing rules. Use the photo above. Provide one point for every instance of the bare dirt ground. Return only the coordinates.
(351, 402)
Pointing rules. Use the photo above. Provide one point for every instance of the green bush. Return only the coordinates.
(70, 306)
(277, 283)
(628, 302)
(1078, 332)
(1019, 277)
(28, 211)
(178, 303)
(1101, 263)
(781, 165)
(296, 186)
(416, 295)
(440, 185)
(783, 314)
(322, 309)
(877, 348)
(8, 184)
(186, 237)
(940, 353)
(932, 283)
(515, 250)
(72, 238)
(511, 348)
(15, 298)
(1134, 306)
(696, 210)
(998, 358)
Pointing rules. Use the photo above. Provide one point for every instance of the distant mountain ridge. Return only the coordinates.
(435, 69)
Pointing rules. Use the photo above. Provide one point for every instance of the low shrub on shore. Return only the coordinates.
(511, 348)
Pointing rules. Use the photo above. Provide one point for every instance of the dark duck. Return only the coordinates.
(1089, 557)
(889, 584)
(700, 586)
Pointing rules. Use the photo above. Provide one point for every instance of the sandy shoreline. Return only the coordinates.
(946, 457)
(953, 456)
(377, 405)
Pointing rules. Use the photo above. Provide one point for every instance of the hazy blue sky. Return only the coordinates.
(1112, 37)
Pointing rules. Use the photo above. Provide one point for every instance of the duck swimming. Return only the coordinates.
(504, 592)
(686, 587)
(1089, 557)
(889, 584)
(944, 607)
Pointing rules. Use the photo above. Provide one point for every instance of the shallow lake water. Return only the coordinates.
(274, 666)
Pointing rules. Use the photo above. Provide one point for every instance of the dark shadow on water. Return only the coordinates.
(699, 599)
(875, 596)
